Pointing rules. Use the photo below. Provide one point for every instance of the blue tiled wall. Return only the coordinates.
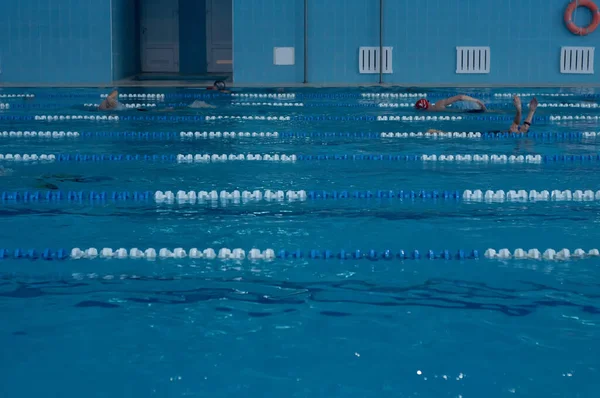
(125, 38)
(525, 39)
(260, 25)
(336, 29)
(68, 41)
(58, 41)
(192, 36)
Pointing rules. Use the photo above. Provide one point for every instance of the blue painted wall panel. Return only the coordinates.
(192, 36)
(525, 39)
(58, 41)
(336, 29)
(125, 38)
(259, 26)
(69, 41)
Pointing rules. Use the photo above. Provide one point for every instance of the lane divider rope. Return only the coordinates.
(510, 95)
(276, 104)
(505, 105)
(19, 95)
(394, 95)
(191, 197)
(288, 158)
(448, 95)
(403, 105)
(54, 118)
(40, 134)
(316, 95)
(534, 254)
(180, 158)
(270, 254)
(149, 96)
(264, 95)
(554, 118)
(234, 254)
(170, 135)
(308, 118)
(127, 105)
(533, 195)
(491, 118)
(495, 158)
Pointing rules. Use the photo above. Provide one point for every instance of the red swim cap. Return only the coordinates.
(422, 104)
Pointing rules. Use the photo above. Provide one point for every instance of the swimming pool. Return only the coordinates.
(372, 276)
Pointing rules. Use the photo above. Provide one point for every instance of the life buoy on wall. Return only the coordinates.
(577, 30)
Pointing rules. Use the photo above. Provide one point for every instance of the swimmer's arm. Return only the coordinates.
(448, 101)
(442, 104)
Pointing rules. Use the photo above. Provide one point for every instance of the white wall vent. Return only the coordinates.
(472, 60)
(368, 60)
(284, 56)
(577, 60)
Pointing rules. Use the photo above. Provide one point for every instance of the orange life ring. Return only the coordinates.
(577, 30)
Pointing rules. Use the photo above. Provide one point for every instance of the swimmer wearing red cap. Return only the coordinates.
(441, 105)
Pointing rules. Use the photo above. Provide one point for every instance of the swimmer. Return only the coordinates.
(111, 102)
(515, 127)
(200, 104)
(220, 86)
(5, 171)
(441, 105)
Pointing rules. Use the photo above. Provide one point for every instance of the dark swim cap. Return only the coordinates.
(220, 85)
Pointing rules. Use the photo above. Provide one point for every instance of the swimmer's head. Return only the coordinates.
(218, 85)
(422, 104)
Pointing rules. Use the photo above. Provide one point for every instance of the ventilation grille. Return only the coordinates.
(368, 60)
(577, 60)
(472, 60)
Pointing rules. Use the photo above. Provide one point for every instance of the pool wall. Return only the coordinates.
(525, 39)
(98, 42)
(55, 41)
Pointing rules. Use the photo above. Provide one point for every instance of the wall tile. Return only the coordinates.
(259, 26)
(40, 38)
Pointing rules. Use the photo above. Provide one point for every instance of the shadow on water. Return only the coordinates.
(445, 294)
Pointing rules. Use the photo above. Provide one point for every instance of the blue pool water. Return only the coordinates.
(300, 327)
